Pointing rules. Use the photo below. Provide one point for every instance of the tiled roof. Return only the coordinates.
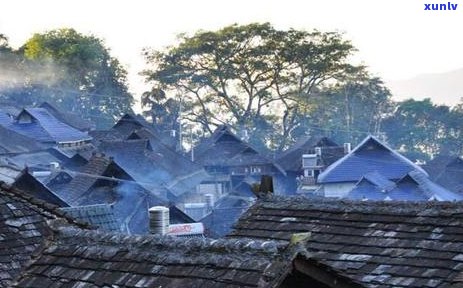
(159, 167)
(291, 159)
(45, 127)
(69, 118)
(30, 185)
(99, 215)
(223, 148)
(13, 142)
(446, 171)
(23, 228)
(86, 178)
(376, 244)
(96, 259)
(370, 155)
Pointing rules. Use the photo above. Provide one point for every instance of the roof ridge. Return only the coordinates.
(39, 205)
(69, 235)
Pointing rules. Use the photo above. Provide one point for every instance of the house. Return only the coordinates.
(81, 258)
(156, 167)
(306, 159)
(371, 155)
(446, 171)
(29, 184)
(230, 161)
(69, 118)
(103, 181)
(13, 142)
(224, 213)
(414, 186)
(39, 125)
(100, 216)
(24, 228)
(374, 244)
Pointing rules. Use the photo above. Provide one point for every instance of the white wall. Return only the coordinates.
(337, 189)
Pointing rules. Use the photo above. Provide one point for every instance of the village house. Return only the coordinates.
(373, 170)
(446, 171)
(373, 244)
(24, 229)
(306, 159)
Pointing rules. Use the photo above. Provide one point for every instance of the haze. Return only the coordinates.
(396, 39)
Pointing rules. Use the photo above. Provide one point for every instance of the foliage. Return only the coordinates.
(79, 75)
(422, 129)
(247, 75)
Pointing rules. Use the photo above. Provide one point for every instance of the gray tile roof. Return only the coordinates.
(446, 171)
(369, 156)
(44, 128)
(23, 228)
(291, 159)
(376, 244)
(71, 119)
(95, 259)
(98, 215)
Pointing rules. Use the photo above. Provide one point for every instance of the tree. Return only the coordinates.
(253, 77)
(81, 76)
(350, 109)
(423, 130)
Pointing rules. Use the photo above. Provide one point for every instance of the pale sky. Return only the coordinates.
(397, 39)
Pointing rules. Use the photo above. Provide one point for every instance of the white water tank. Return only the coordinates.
(159, 220)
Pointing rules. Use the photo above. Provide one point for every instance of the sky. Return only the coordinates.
(396, 39)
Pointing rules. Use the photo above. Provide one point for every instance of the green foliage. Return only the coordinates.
(422, 129)
(253, 77)
(80, 76)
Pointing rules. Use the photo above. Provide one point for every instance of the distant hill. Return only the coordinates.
(443, 88)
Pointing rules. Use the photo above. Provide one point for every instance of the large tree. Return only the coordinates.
(253, 77)
(422, 129)
(80, 75)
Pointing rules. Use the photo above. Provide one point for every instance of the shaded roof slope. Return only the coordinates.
(291, 159)
(370, 155)
(95, 259)
(223, 148)
(377, 244)
(47, 128)
(446, 171)
(23, 228)
(71, 119)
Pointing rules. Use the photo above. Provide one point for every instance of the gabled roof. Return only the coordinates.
(68, 118)
(23, 229)
(291, 159)
(155, 164)
(376, 244)
(446, 171)
(129, 123)
(414, 186)
(97, 259)
(84, 180)
(47, 128)
(223, 148)
(13, 142)
(370, 155)
(98, 215)
(30, 185)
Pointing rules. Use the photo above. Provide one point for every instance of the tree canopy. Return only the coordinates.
(74, 71)
(253, 77)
